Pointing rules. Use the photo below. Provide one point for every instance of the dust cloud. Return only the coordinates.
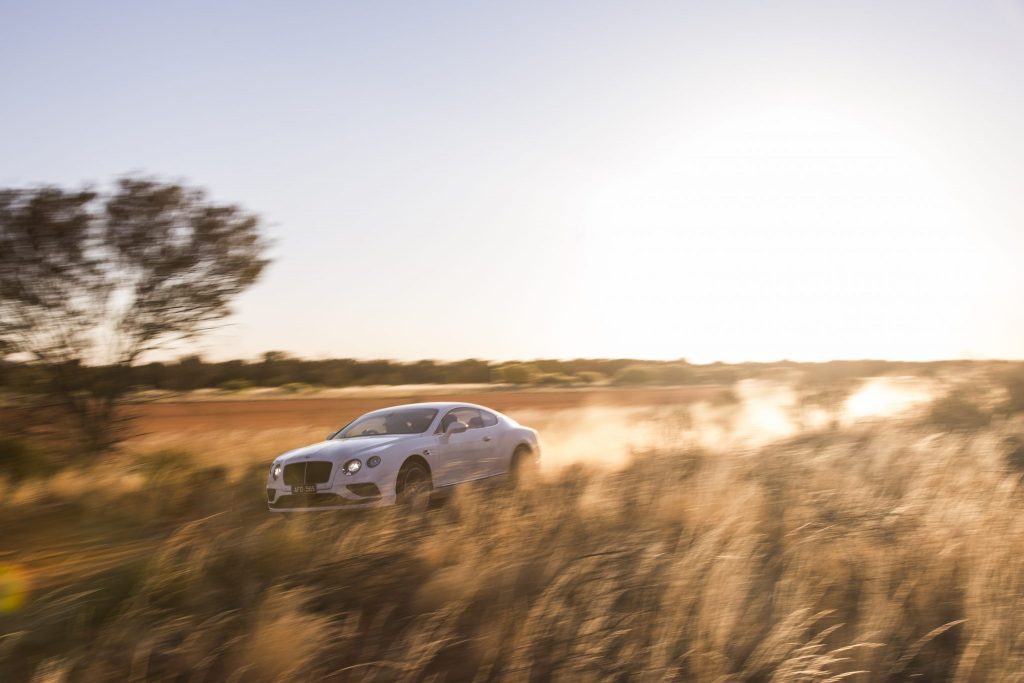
(603, 436)
(751, 414)
(888, 397)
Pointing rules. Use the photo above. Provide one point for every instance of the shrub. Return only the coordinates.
(958, 411)
(515, 373)
(1013, 382)
(590, 377)
(675, 373)
(234, 385)
(554, 379)
(163, 462)
(19, 461)
(634, 374)
(295, 387)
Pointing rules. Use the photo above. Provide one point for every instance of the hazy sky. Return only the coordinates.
(719, 180)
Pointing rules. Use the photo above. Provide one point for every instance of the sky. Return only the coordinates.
(703, 180)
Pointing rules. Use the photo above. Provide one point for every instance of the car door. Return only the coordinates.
(460, 454)
(491, 461)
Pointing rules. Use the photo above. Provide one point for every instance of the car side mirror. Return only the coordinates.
(456, 428)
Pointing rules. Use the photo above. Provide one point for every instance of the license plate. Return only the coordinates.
(309, 488)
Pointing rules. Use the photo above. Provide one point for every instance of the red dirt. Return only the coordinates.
(332, 412)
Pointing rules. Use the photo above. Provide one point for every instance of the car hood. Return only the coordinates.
(340, 449)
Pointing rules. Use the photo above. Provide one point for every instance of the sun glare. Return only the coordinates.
(810, 223)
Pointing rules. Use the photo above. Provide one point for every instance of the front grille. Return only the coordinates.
(311, 500)
(302, 473)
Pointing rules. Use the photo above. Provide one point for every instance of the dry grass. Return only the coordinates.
(880, 551)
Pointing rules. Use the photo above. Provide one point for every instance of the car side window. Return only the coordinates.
(490, 419)
(469, 416)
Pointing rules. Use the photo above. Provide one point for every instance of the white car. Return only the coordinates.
(402, 455)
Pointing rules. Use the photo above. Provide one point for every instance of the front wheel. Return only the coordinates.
(414, 487)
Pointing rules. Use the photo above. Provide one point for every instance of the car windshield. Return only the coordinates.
(384, 422)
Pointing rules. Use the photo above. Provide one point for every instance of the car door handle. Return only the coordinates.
(487, 438)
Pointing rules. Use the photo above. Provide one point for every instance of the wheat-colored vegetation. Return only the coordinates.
(770, 535)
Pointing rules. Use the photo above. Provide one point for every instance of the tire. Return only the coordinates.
(524, 466)
(414, 487)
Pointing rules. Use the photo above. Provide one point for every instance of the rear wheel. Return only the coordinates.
(524, 466)
(414, 487)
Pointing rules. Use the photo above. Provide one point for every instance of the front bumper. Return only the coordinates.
(301, 502)
(281, 499)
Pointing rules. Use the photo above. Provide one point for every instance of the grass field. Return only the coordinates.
(748, 533)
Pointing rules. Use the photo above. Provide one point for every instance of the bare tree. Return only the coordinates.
(90, 282)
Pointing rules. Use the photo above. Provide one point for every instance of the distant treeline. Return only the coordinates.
(277, 369)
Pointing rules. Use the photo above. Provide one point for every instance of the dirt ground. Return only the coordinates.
(331, 413)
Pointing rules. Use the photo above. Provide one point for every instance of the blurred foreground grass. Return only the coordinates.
(894, 548)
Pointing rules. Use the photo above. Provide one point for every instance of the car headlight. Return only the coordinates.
(373, 461)
(275, 470)
(353, 466)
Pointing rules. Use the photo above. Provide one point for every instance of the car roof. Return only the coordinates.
(437, 405)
